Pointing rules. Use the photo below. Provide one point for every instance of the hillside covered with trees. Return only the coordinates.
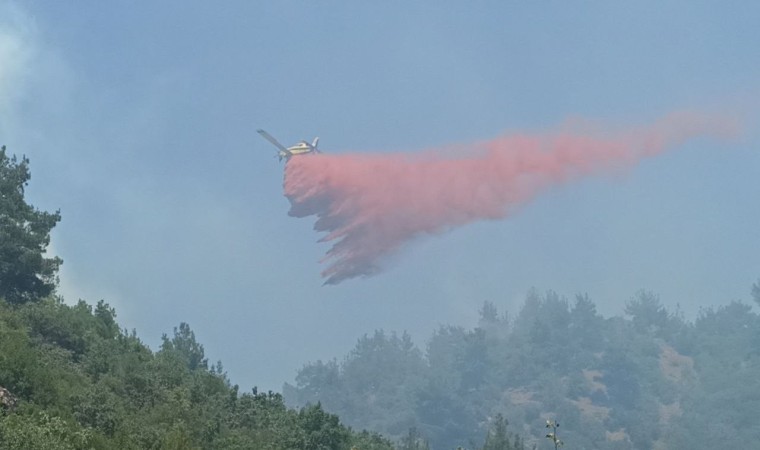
(71, 378)
(75, 381)
(648, 380)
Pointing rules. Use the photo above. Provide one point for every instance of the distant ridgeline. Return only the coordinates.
(649, 380)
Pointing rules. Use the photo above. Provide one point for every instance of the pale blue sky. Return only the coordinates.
(140, 118)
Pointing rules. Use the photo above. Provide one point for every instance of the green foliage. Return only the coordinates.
(25, 274)
(84, 384)
(647, 380)
(370, 441)
(498, 438)
(321, 431)
(184, 346)
(39, 431)
(413, 440)
(376, 377)
(648, 314)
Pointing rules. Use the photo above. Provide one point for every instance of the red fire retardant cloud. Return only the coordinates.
(371, 204)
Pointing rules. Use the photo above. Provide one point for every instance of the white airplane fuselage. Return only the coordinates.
(301, 148)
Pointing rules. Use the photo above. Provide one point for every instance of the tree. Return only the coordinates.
(413, 440)
(647, 313)
(370, 441)
(497, 438)
(488, 314)
(25, 273)
(323, 431)
(41, 431)
(184, 345)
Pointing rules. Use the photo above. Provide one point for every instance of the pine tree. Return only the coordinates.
(25, 273)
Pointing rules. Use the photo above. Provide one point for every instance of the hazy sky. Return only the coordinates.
(139, 119)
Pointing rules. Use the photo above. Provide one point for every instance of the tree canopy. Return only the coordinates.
(649, 379)
(70, 378)
(26, 274)
(79, 382)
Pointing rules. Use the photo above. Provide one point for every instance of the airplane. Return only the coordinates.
(301, 148)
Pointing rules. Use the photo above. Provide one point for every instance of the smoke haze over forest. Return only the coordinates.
(139, 121)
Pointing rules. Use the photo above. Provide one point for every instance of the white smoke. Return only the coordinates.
(17, 50)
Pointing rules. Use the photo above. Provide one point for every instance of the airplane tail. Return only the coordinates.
(314, 144)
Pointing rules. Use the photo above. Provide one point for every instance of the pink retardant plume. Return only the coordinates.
(371, 204)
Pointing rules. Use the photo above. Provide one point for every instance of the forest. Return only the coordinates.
(72, 378)
(647, 380)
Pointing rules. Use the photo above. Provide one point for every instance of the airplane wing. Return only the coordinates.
(271, 139)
